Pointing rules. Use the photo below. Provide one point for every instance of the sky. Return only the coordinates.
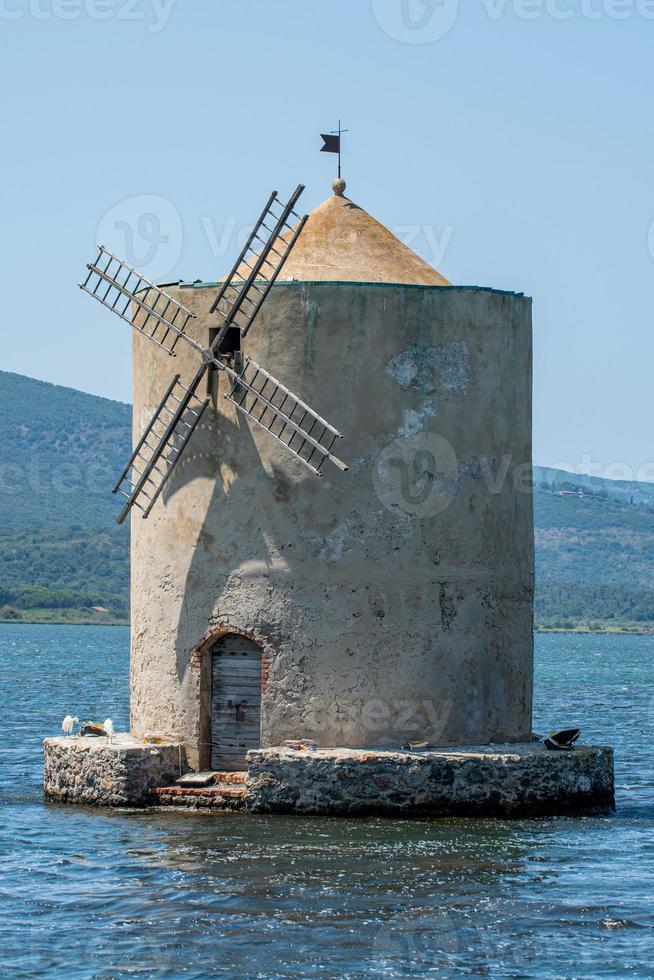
(509, 142)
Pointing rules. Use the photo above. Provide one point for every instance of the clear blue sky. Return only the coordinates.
(511, 142)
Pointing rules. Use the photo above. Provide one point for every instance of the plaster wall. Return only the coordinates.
(392, 601)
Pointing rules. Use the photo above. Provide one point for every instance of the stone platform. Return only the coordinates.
(495, 780)
(116, 771)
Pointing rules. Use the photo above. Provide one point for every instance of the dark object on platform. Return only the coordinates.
(90, 728)
(417, 745)
(301, 745)
(562, 741)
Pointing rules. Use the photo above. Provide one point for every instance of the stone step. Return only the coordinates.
(196, 780)
(202, 780)
(221, 796)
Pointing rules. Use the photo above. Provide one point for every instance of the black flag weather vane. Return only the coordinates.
(332, 143)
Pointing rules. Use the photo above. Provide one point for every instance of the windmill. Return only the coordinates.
(252, 390)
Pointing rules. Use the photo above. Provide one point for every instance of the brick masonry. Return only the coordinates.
(231, 799)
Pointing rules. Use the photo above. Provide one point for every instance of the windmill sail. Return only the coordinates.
(284, 416)
(160, 448)
(258, 265)
(135, 299)
(254, 392)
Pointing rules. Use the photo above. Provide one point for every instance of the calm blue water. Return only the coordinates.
(88, 893)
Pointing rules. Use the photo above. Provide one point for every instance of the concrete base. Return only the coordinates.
(496, 780)
(119, 771)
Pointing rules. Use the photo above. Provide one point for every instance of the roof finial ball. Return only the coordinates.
(339, 186)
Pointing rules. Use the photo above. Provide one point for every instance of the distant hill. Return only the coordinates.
(594, 550)
(62, 553)
(60, 453)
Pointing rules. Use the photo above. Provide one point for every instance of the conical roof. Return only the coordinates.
(342, 243)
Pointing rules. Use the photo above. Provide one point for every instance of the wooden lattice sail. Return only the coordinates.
(253, 391)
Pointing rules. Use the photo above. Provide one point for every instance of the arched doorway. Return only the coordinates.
(235, 701)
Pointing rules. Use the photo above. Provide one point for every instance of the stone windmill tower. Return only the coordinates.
(364, 608)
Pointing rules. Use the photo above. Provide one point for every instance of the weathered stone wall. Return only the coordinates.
(509, 780)
(103, 772)
(392, 601)
(497, 780)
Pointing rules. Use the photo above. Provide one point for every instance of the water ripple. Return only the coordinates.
(132, 894)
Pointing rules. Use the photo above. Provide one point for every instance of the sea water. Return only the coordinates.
(101, 893)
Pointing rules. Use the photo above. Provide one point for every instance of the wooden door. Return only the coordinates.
(235, 702)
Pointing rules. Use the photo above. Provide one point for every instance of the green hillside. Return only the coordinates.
(62, 553)
(594, 551)
(60, 453)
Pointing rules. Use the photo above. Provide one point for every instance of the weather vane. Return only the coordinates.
(332, 143)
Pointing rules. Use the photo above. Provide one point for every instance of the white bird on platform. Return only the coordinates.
(109, 727)
(68, 724)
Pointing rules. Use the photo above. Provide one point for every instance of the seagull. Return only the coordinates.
(68, 724)
(109, 727)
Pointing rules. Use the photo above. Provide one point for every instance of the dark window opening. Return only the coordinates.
(230, 347)
(231, 342)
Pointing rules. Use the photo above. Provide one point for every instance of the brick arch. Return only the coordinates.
(215, 633)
